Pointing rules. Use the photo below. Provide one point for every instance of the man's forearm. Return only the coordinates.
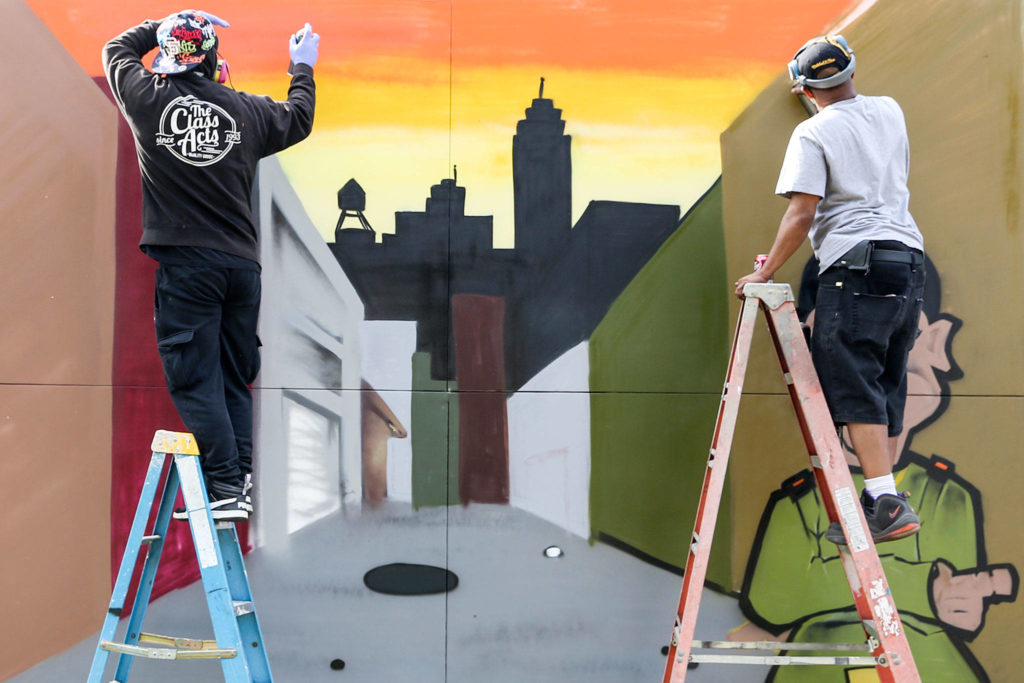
(122, 58)
(793, 229)
(132, 44)
(302, 97)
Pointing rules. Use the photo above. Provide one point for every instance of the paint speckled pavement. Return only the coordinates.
(595, 614)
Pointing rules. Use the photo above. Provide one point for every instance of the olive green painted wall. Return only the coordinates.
(657, 364)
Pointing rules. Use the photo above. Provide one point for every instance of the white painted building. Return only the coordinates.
(549, 443)
(307, 442)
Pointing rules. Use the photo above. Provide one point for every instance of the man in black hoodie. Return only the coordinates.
(199, 143)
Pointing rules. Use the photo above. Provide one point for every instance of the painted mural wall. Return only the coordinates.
(959, 448)
(496, 299)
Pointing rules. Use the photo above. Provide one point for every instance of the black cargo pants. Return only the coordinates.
(206, 333)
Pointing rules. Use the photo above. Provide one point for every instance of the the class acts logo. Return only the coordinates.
(197, 132)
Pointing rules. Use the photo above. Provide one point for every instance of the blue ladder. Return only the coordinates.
(239, 642)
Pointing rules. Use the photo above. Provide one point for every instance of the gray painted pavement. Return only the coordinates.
(595, 614)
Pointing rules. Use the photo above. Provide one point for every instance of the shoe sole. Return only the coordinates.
(904, 531)
(217, 516)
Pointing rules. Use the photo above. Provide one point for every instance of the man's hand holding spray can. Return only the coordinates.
(759, 262)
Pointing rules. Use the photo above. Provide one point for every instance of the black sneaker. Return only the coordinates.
(227, 503)
(889, 518)
(229, 510)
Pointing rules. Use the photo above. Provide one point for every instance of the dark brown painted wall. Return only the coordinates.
(58, 133)
(483, 418)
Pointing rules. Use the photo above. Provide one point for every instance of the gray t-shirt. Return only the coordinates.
(854, 154)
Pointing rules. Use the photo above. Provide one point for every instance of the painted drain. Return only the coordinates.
(400, 578)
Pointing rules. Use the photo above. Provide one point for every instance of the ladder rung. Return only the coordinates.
(783, 660)
(176, 642)
(149, 540)
(243, 607)
(166, 652)
(773, 645)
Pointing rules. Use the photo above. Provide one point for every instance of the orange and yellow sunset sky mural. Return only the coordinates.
(409, 88)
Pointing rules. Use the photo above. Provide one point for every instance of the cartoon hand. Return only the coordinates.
(960, 597)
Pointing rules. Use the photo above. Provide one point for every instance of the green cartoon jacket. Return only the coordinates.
(795, 579)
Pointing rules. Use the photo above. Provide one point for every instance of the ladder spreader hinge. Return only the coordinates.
(243, 607)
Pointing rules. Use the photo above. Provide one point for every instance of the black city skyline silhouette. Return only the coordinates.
(558, 281)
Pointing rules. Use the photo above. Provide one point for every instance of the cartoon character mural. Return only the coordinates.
(972, 433)
(795, 588)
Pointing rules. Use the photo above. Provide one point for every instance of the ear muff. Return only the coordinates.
(794, 73)
(220, 73)
(832, 81)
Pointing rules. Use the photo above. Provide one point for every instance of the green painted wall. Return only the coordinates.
(435, 437)
(657, 363)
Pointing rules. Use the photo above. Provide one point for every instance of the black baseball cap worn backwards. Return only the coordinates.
(819, 54)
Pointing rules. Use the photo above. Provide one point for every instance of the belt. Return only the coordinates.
(912, 258)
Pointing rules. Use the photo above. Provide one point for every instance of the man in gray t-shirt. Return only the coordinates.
(845, 175)
(865, 140)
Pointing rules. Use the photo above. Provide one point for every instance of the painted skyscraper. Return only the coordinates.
(542, 182)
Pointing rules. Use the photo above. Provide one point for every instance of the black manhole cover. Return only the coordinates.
(401, 578)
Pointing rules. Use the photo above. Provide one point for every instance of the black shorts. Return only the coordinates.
(865, 324)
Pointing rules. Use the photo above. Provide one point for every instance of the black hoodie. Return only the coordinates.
(199, 143)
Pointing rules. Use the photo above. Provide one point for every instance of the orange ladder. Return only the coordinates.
(886, 645)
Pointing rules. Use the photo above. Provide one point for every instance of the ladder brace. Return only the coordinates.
(168, 653)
